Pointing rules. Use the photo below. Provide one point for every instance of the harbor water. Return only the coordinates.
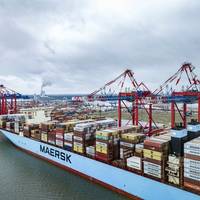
(24, 177)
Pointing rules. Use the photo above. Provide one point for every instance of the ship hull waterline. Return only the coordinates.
(124, 182)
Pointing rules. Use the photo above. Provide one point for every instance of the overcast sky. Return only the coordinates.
(78, 45)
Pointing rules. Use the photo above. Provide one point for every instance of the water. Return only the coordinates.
(24, 177)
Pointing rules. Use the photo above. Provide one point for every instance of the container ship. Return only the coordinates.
(164, 166)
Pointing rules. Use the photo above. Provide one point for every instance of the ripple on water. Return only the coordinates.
(23, 177)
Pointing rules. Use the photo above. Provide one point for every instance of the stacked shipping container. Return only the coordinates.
(192, 165)
(175, 170)
(155, 156)
(84, 136)
(107, 145)
(123, 148)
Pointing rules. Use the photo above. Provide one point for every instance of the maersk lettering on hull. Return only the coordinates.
(55, 153)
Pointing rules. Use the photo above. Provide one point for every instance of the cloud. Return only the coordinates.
(80, 45)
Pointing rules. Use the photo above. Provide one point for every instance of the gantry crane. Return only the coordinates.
(8, 100)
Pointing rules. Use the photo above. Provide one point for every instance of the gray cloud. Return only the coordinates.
(79, 45)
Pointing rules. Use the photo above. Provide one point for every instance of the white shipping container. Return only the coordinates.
(178, 133)
(51, 141)
(126, 144)
(88, 136)
(68, 136)
(192, 170)
(90, 150)
(59, 143)
(193, 151)
(21, 133)
(191, 163)
(148, 166)
(192, 176)
(101, 144)
(78, 138)
(16, 127)
(193, 144)
(139, 146)
(193, 128)
(44, 137)
(174, 160)
(152, 173)
(78, 144)
(152, 169)
(67, 144)
(134, 162)
(60, 136)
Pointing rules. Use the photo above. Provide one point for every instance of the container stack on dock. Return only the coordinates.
(84, 136)
(107, 145)
(192, 165)
(155, 156)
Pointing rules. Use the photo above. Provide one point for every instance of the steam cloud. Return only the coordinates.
(46, 83)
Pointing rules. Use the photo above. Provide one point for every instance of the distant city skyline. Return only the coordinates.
(77, 46)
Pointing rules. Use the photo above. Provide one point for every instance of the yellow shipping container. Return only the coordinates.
(44, 137)
(159, 158)
(156, 155)
(147, 153)
(78, 149)
(173, 180)
(101, 144)
(101, 147)
(101, 150)
(135, 137)
(106, 133)
(129, 136)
